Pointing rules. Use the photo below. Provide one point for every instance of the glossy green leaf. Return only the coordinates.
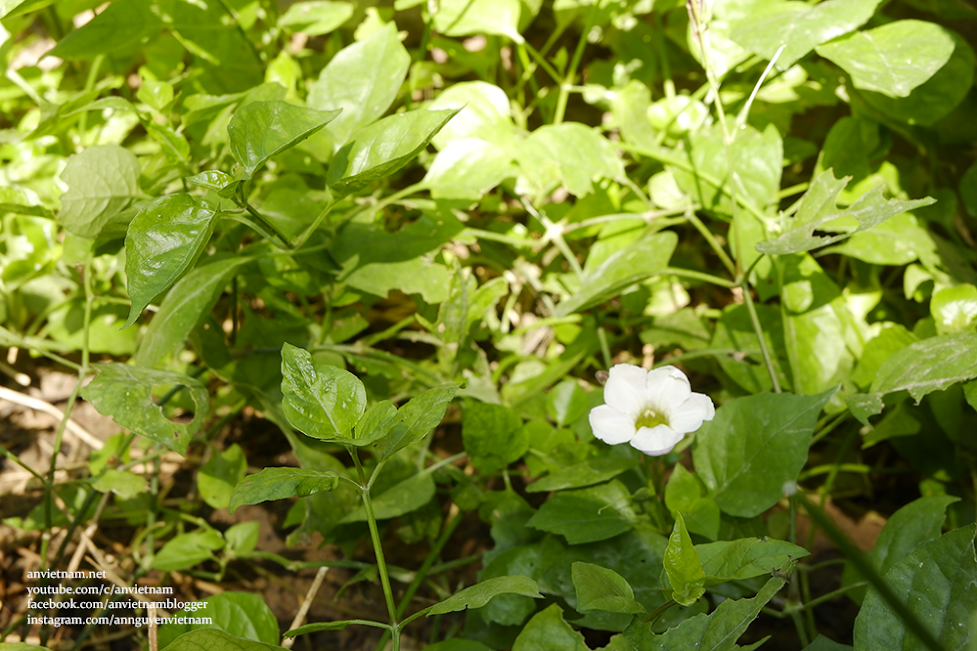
(818, 210)
(548, 631)
(632, 264)
(323, 401)
(213, 640)
(123, 483)
(954, 309)
(188, 549)
(102, 182)
(920, 368)
(380, 149)
(717, 631)
(797, 26)
(493, 435)
(683, 566)
(568, 154)
(599, 588)
(480, 594)
(588, 514)
(124, 24)
(218, 477)
(732, 560)
(938, 96)
(753, 447)
(416, 419)
(892, 59)
(281, 483)
(220, 182)
(895, 242)
(467, 17)
(890, 340)
(757, 162)
(937, 583)
(242, 538)
(363, 80)
(165, 239)
(404, 497)
(592, 471)
(184, 306)
(316, 17)
(125, 393)
(260, 130)
(245, 614)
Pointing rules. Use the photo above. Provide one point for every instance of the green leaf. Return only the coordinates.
(686, 494)
(733, 560)
(184, 306)
(818, 210)
(404, 497)
(892, 59)
(968, 190)
(377, 261)
(938, 96)
(260, 130)
(165, 239)
(493, 435)
(467, 17)
(734, 331)
(920, 368)
(102, 182)
(599, 588)
(484, 114)
(124, 24)
(467, 169)
(753, 447)
(188, 549)
(380, 149)
(717, 631)
(222, 183)
(627, 266)
(822, 643)
(588, 514)
(896, 242)
(123, 483)
(480, 594)
(683, 566)
(757, 163)
(21, 646)
(454, 644)
(317, 17)
(954, 309)
(548, 631)
(937, 583)
(568, 154)
(218, 477)
(125, 393)
(587, 473)
(362, 80)
(415, 419)
(281, 483)
(246, 614)
(323, 401)
(212, 640)
(798, 26)
(242, 538)
(908, 529)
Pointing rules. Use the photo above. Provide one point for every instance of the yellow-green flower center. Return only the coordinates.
(650, 418)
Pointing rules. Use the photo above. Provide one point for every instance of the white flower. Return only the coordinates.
(652, 410)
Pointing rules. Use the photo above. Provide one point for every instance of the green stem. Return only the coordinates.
(755, 320)
(561, 102)
(698, 275)
(713, 243)
(267, 224)
(377, 549)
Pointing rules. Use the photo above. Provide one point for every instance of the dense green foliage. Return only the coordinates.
(360, 221)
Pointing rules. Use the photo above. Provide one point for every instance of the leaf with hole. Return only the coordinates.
(125, 393)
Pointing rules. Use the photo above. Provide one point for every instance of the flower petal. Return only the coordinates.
(655, 441)
(688, 416)
(626, 389)
(610, 425)
(667, 388)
